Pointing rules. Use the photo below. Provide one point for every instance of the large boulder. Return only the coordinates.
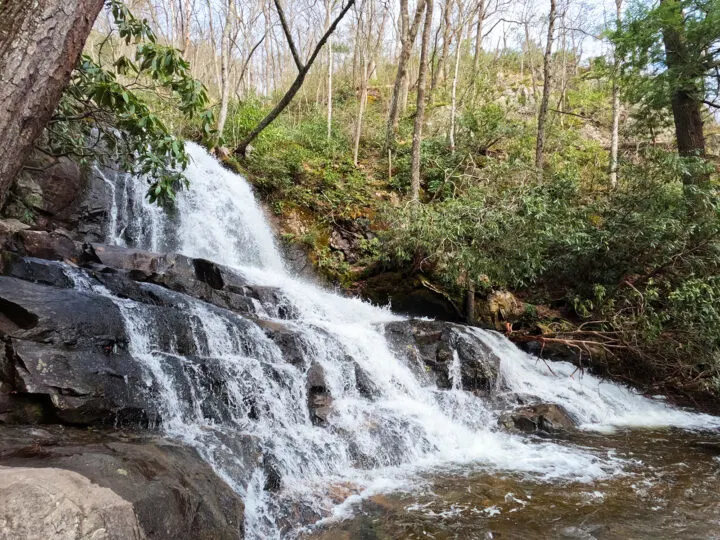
(54, 503)
(137, 484)
(436, 345)
(65, 353)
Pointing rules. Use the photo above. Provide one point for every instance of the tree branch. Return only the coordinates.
(288, 36)
(297, 83)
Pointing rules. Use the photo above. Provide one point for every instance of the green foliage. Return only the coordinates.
(103, 117)
(648, 80)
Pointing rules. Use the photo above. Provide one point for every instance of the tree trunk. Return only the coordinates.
(39, 47)
(542, 115)
(453, 98)
(447, 27)
(328, 9)
(686, 98)
(303, 69)
(408, 39)
(225, 50)
(615, 135)
(470, 302)
(361, 108)
(420, 112)
(478, 36)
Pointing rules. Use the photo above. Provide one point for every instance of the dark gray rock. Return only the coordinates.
(174, 493)
(429, 346)
(542, 418)
(319, 398)
(66, 352)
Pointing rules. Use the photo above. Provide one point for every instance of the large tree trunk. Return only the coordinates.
(686, 98)
(420, 112)
(39, 47)
(542, 115)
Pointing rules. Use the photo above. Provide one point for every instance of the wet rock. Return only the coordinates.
(407, 294)
(36, 271)
(64, 353)
(199, 278)
(54, 503)
(547, 418)
(364, 383)
(287, 339)
(172, 492)
(432, 345)
(319, 398)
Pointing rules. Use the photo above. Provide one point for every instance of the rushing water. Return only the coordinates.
(257, 432)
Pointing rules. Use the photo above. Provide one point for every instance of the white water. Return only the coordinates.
(370, 444)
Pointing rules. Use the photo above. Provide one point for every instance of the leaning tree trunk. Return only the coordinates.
(39, 47)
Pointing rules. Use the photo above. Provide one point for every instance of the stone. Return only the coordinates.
(64, 505)
(8, 228)
(429, 348)
(56, 245)
(319, 398)
(542, 418)
(408, 295)
(171, 490)
(61, 184)
(498, 308)
(66, 352)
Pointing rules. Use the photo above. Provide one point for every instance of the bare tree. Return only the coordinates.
(615, 135)
(446, 38)
(407, 39)
(453, 96)
(229, 35)
(39, 47)
(547, 74)
(420, 111)
(303, 68)
(328, 15)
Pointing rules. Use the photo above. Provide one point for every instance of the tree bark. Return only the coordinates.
(420, 111)
(328, 20)
(225, 51)
(447, 29)
(408, 39)
(542, 115)
(39, 47)
(615, 135)
(456, 72)
(687, 97)
(478, 35)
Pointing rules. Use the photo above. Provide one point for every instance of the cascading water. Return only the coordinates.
(256, 430)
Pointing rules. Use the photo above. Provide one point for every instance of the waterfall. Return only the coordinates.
(255, 428)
